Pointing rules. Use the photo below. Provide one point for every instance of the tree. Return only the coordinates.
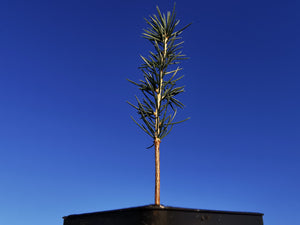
(158, 106)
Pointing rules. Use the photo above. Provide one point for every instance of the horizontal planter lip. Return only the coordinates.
(165, 208)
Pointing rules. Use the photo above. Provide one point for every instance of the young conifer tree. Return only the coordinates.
(158, 106)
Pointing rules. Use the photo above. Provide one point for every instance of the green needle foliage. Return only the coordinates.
(158, 107)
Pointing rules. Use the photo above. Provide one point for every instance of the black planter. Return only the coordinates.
(160, 215)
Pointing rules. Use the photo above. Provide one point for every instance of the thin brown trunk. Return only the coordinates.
(157, 172)
(157, 130)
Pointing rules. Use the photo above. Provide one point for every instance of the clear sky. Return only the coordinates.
(68, 145)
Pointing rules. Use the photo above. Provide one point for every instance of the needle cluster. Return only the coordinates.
(158, 106)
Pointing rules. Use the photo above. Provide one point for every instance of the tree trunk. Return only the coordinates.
(157, 171)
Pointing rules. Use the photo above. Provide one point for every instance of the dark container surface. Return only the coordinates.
(161, 215)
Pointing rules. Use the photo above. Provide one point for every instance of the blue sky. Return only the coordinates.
(68, 145)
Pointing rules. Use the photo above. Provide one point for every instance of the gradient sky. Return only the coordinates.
(68, 145)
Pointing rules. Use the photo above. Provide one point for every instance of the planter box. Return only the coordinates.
(160, 215)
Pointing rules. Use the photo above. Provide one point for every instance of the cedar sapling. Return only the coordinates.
(158, 106)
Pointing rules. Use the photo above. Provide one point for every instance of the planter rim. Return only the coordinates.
(165, 208)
